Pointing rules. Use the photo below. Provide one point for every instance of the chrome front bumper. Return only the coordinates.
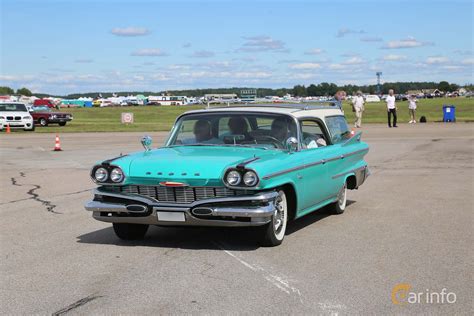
(248, 210)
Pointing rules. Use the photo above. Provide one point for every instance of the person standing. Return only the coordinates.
(412, 108)
(340, 96)
(358, 107)
(391, 108)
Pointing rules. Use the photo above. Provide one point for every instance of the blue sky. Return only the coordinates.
(79, 46)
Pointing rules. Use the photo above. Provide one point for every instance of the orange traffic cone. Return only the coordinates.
(57, 145)
(8, 129)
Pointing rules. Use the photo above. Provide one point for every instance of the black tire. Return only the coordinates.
(273, 233)
(339, 206)
(43, 122)
(62, 124)
(130, 231)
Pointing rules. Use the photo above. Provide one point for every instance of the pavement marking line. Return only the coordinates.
(280, 282)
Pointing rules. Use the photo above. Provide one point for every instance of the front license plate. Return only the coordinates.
(171, 216)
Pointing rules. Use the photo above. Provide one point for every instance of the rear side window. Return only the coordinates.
(338, 128)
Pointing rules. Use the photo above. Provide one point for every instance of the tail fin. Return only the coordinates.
(354, 139)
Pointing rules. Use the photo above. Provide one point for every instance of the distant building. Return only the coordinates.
(220, 96)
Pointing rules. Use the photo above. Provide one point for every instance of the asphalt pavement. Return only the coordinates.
(410, 223)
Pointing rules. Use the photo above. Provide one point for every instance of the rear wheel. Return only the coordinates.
(62, 123)
(274, 232)
(339, 206)
(130, 231)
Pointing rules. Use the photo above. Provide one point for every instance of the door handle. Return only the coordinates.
(299, 176)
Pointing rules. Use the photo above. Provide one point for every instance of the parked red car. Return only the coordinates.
(43, 115)
(44, 102)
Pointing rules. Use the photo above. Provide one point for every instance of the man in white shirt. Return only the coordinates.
(391, 108)
(358, 107)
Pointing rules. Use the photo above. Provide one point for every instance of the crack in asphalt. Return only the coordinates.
(30, 198)
(33, 195)
(76, 304)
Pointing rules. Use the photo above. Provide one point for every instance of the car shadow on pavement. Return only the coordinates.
(242, 239)
(311, 218)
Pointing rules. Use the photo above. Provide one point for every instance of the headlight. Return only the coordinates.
(27, 118)
(101, 175)
(116, 175)
(52, 116)
(2, 117)
(233, 178)
(250, 178)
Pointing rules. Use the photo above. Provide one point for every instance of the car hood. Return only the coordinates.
(15, 113)
(194, 165)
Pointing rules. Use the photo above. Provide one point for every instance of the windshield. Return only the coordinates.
(12, 107)
(233, 129)
(41, 109)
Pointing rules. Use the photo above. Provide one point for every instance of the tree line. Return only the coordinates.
(321, 89)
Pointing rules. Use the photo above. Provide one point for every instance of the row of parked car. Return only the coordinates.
(17, 115)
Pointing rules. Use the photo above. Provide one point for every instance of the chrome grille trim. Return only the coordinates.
(179, 195)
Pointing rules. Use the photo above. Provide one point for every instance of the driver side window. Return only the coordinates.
(312, 135)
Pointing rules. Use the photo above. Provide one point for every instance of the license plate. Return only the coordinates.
(171, 216)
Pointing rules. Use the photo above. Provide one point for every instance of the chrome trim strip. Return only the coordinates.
(94, 206)
(246, 162)
(347, 172)
(356, 152)
(322, 161)
(266, 196)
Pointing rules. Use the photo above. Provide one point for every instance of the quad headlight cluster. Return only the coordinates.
(244, 178)
(112, 174)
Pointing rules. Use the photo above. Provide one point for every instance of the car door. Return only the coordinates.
(315, 174)
(339, 161)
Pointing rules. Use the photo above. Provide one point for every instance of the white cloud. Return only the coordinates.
(356, 60)
(393, 57)
(314, 51)
(149, 52)
(409, 42)
(305, 66)
(345, 31)
(262, 43)
(130, 31)
(337, 67)
(186, 45)
(437, 60)
(468, 61)
(203, 54)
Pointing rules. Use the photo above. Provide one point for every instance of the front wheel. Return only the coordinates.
(339, 206)
(130, 231)
(43, 122)
(274, 232)
(62, 123)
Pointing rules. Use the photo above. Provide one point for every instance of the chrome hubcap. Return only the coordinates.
(342, 196)
(279, 215)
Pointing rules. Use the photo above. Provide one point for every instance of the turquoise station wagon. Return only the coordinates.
(248, 165)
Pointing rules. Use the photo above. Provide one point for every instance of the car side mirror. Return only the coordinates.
(146, 142)
(292, 144)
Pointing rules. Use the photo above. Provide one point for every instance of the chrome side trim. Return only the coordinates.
(322, 161)
(246, 162)
(347, 172)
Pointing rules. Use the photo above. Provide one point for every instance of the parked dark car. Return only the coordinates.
(43, 115)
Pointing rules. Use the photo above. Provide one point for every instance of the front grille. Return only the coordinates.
(13, 118)
(181, 195)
